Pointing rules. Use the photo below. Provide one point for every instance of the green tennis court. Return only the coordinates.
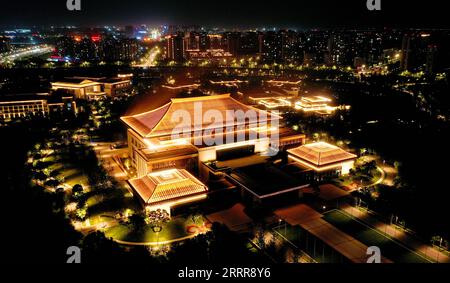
(369, 236)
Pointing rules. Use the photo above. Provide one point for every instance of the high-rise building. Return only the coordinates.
(418, 51)
(86, 50)
(203, 41)
(124, 49)
(232, 43)
(430, 65)
(335, 50)
(406, 49)
(175, 47)
(129, 32)
(249, 43)
(215, 42)
(271, 44)
(192, 41)
(4, 44)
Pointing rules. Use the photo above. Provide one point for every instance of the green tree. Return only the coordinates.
(137, 221)
(156, 218)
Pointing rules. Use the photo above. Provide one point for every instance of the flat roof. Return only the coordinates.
(75, 82)
(169, 152)
(24, 97)
(166, 186)
(316, 99)
(321, 154)
(234, 218)
(114, 80)
(10, 99)
(284, 82)
(265, 181)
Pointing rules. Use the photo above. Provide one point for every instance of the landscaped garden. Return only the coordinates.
(174, 230)
(67, 165)
(365, 174)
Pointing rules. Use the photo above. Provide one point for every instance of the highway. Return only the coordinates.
(21, 53)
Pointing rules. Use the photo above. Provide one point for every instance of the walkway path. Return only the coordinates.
(388, 172)
(155, 243)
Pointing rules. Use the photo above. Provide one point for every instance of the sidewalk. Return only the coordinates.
(399, 235)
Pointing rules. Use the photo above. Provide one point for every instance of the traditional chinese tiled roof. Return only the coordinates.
(321, 154)
(166, 186)
(164, 120)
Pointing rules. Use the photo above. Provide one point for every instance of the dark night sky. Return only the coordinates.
(228, 13)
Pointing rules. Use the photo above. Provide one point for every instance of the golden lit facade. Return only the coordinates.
(80, 88)
(17, 109)
(168, 188)
(24, 105)
(273, 102)
(319, 104)
(92, 88)
(322, 157)
(152, 145)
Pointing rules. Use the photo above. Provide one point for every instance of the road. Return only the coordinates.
(18, 54)
(150, 59)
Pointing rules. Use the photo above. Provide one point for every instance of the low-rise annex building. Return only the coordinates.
(323, 157)
(16, 106)
(318, 104)
(167, 189)
(92, 88)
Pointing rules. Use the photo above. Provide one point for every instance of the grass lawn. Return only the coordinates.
(101, 218)
(390, 248)
(347, 181)
(73, 176)
(343, 181)
(102, 205)
(175, 229)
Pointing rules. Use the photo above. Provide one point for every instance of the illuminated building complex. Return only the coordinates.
(155, 152)
(319, 104)
(273, 102)
(92, 88)
(41, 104)
(152, 146)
